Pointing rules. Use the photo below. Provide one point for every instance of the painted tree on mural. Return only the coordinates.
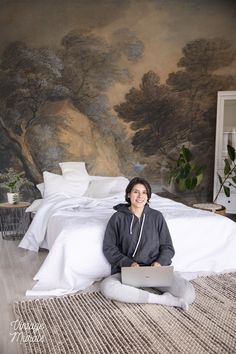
(198, 82)
(83, 69)
(153, 111)
(91, 66)
(157, 112)
(29, 77)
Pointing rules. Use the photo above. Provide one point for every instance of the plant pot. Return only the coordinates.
(13, 198)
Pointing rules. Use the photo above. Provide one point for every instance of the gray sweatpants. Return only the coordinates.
(112, 288)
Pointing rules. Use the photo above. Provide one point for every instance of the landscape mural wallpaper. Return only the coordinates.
(121, 85)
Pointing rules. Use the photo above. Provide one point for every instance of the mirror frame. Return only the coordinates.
(221, 98)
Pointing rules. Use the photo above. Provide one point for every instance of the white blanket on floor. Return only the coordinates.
(73, 228)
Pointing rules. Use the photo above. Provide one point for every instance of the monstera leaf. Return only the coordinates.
(228, 180)
(186, 174)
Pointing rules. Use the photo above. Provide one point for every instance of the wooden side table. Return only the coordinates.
(215, 208)
(14, 221)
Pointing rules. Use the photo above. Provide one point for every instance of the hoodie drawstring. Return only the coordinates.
(131, 225)
(140, 234)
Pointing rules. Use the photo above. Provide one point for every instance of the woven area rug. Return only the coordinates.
(89, 323)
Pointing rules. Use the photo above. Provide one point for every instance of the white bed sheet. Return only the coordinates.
(73, 228)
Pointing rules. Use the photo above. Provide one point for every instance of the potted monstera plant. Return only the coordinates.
(13, 181)
(186, 174)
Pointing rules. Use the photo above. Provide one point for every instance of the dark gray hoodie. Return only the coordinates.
(129, 239)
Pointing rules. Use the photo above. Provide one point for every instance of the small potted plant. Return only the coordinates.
(186, 174)
(13, 181)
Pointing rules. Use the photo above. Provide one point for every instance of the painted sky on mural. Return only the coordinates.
(163, 25)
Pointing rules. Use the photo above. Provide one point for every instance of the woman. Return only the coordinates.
(138, 235)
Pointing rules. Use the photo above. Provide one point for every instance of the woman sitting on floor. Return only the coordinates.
(138, 235)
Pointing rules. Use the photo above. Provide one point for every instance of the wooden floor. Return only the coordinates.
(17, 269)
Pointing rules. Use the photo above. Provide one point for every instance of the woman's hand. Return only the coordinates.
(134, 264)
(156, 264)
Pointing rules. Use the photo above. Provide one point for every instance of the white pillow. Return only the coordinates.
(40, 187)
(120, 183)
(34, 206)
(73, 170)
(57, 184)
(99, 188)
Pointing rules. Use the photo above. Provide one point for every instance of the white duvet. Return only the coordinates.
(73, 228)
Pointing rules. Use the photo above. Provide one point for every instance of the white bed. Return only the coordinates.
(72, 228)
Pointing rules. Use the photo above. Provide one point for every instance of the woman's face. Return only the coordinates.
(138, 196)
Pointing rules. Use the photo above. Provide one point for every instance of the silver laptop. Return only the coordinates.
(147, 276)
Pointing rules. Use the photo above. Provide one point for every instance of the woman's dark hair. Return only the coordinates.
(133, 182)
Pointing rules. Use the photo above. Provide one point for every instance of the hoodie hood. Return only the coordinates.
(124, 208)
